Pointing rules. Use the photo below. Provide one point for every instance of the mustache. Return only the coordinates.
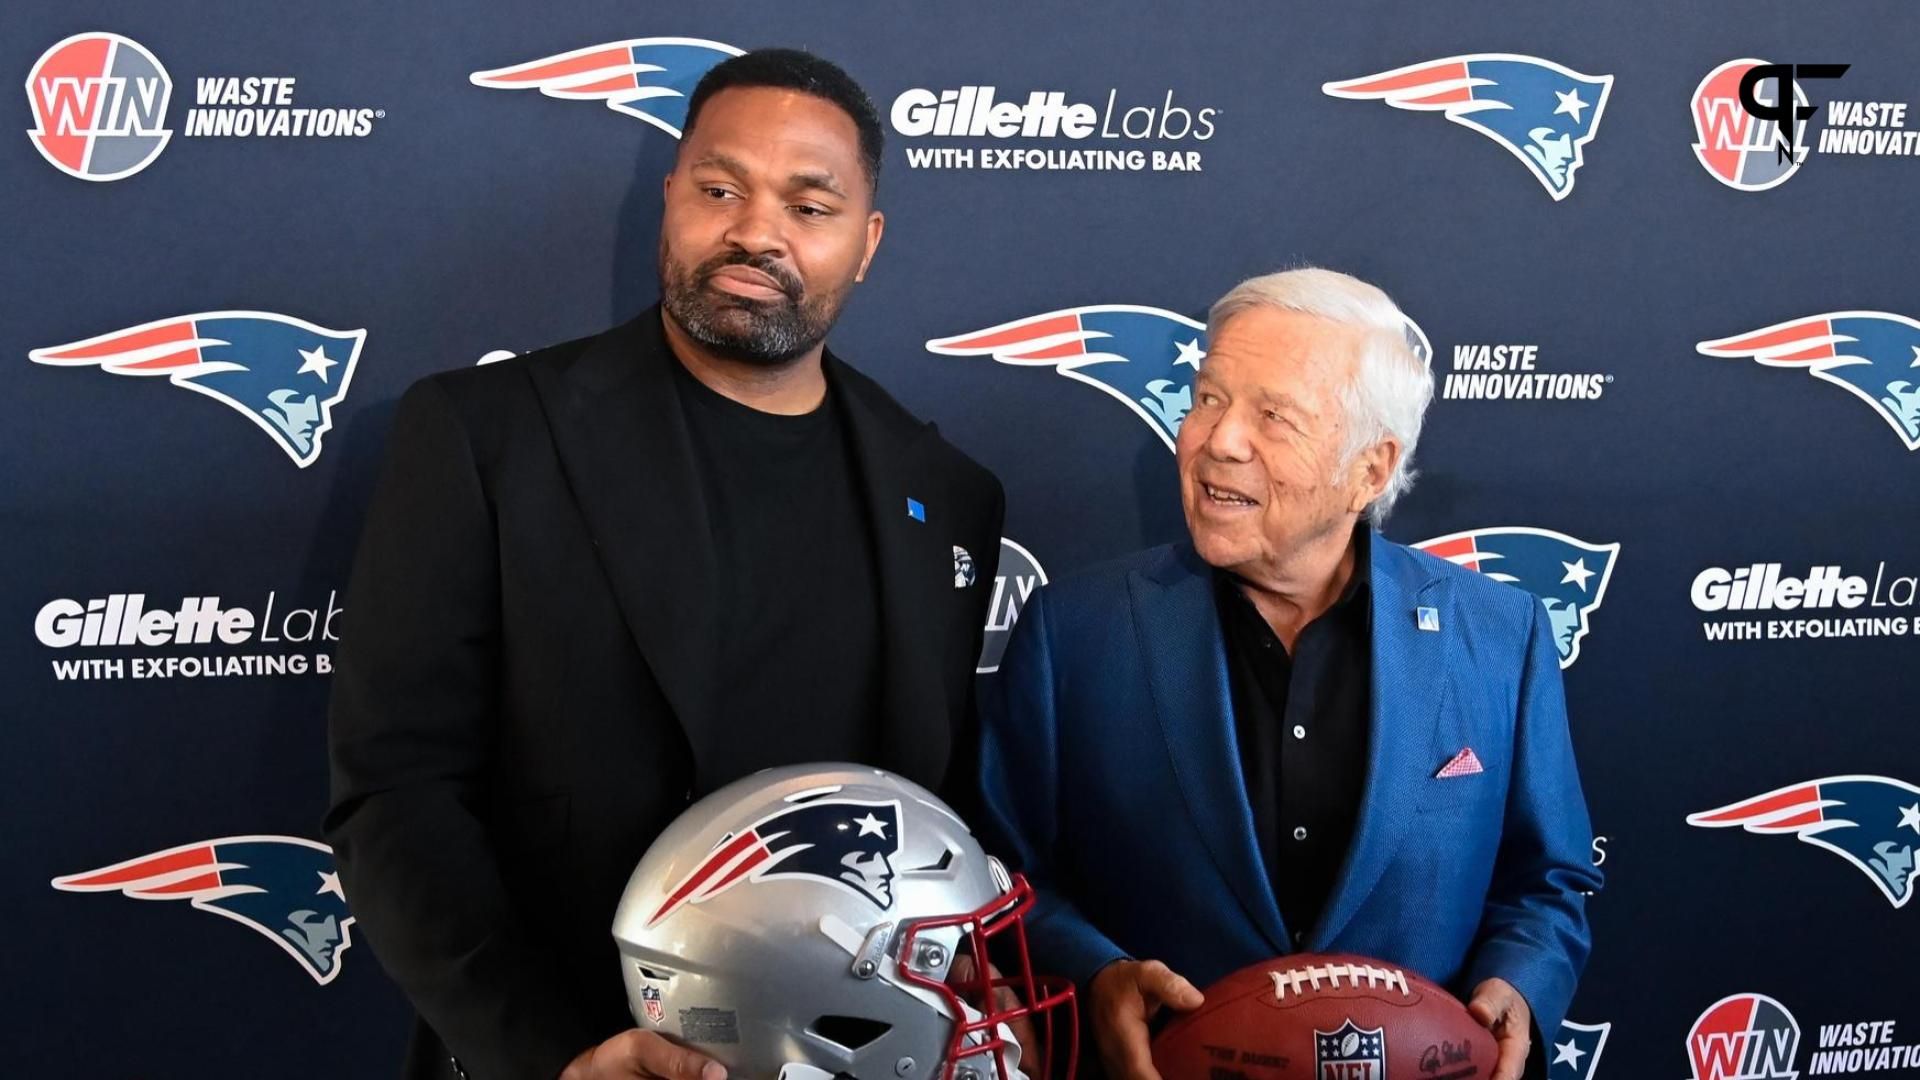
(766, 264)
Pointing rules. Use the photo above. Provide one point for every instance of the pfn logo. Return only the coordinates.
(99, 106)
(1747, 115)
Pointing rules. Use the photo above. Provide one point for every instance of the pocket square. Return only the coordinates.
(1464, 763)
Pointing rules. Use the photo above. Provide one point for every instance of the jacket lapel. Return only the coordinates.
(1409, 668)
(913, 564)
(1186, 660)
(624, 447)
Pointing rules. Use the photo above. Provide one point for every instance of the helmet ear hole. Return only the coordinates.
(849, 1032)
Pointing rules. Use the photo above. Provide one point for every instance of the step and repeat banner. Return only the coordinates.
(1662, 260)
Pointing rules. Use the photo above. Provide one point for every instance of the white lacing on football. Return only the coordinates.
(1303, 980)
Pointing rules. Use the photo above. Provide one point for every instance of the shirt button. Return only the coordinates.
(1300, 832)
(1299, 731)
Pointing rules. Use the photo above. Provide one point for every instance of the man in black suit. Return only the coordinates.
(603, 579)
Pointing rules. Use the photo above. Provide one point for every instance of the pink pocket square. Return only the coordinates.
(1464, 763)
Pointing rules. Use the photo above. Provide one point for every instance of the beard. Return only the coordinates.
(767, 333)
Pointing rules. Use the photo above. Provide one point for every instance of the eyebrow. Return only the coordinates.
(818, 180)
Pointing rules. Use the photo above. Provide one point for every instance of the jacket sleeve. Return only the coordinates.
(1020, 790)
(1534, 931)
(410, 724)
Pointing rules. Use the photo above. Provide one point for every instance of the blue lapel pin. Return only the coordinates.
(1427, 618)
(916, 511)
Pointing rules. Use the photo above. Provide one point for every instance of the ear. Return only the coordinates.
(876, 224)
(1371, 470)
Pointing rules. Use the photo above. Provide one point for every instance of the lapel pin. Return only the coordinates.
(962, 567)
(916, 511)
(1427, 618)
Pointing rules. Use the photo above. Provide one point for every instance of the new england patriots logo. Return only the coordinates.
(1568, 575)
(647, 78)
(1873, 355)
(1872, 822)
(281, 887)
(1143, 357)
(1576, 1050)
(846, 843)
(1543, 113)
(282, 373)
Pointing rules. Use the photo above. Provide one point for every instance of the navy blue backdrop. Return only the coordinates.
(1709, 420)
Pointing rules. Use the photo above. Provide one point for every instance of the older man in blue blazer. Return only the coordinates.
(1291, 734)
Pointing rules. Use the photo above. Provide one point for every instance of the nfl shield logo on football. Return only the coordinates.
(650, 1001)
(1351, 1053)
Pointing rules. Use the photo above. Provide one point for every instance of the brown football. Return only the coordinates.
(1309, 1017)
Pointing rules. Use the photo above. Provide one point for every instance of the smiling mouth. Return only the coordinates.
(1224, 497)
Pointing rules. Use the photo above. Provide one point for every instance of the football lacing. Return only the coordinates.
(1331, 974)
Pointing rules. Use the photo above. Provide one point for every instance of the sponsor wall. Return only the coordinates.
(1661, 261)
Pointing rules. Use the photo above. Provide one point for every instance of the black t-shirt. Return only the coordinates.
(798, 596)
(1301, 722)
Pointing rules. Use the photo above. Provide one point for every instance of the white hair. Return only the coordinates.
(1391, 387)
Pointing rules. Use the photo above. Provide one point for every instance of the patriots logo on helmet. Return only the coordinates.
(281, 887)
(1542, 112)
(1569, 575)
(647, 78)
(847, 843)
(1143, 357)
(1873, 355)
(1872, 822)
(1576, 1050)
(282, 373)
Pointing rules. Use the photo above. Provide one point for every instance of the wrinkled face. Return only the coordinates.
(769, 221)
(1259, 454)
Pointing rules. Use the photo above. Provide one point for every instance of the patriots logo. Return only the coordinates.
(1873, 355)
(1543, 113)
(1568, 575)
(1872, 822)
(282, 373)
(847, 843)
(1143, 357)
(647, 78)
(1576, 1050)
(281, 887)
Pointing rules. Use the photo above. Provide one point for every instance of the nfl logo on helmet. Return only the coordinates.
(283, 374)
(1143, 357)
(1543, 113)
(1568, 575)
(646, 78)
(283, 888)
(1873, 355)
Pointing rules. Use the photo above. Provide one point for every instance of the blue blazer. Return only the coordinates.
(1112, 780)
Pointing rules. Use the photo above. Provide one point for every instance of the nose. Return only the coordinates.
(757, 227)
(1228, 440)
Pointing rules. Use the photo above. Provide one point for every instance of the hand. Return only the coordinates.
(1004, 998)
(1122, 998)
(1500, 1009)
(644, 1054)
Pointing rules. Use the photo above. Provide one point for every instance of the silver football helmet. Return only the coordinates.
(804, 923)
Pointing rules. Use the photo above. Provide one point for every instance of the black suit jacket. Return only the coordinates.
(524, 681)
